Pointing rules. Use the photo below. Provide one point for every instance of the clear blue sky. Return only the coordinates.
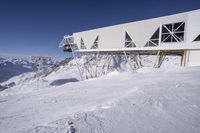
(33, 27)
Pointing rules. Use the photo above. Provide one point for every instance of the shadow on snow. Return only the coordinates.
(63, 81)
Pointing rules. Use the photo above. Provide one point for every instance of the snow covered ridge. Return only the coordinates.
(13, 67)
(145, 101)
(10, 68)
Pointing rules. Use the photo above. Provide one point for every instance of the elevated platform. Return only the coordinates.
(142, 50)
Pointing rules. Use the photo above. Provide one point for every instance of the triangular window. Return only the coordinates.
(95, 44)
(173, 32)
(83, 44)
(197, 38)
(154, 40)
(128, 41)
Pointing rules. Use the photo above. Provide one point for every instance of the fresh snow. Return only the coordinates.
(144, 101)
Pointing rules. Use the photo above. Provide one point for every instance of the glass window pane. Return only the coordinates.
(127, 37)
(180, 36)
(156, 34)
(128, 41)
(147, 44)
(180, 28)
(169, 26)
(176, 25)
(129, 44)
(166, 38)
(197, 38)
(155, 41)
(95, 44)
(164, 30)
(97, 39)
(174, 40)
(151, 44)
(82, 44)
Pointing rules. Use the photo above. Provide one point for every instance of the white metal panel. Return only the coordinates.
(112, 37)
(194, 58)
(193, 27)
(140, 31)
(88, 38)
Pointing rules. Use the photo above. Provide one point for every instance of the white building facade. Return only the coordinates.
(179, 32)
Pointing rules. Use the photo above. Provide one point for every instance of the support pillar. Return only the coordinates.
(185, 58)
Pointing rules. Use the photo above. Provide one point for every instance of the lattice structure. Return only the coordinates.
(154, 40)
(96, 43)
(129, 41)
(40, 61)
(83, 44)
(173, 32)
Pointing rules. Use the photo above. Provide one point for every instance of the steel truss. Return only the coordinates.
(99, 63)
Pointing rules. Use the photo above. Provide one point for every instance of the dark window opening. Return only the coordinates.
(180, 36)
(166, 38)
(147, 44)
(67, 48)
(128, 41)
(173, 32)
(156, 34)
(70, 47)
(83, 44)
(154, 40)
(179, 26)
(129, 44)
(151, 44)
(95, 44)
(164, 30)
(174, 39)
(127, 38)
(169, 26)
(197, 38)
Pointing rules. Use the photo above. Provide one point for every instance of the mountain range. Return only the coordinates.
(13, 67)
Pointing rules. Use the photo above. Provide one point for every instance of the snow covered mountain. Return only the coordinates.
(14, 67)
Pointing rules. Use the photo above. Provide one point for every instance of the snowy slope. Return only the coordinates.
(144, 101)
(13, 67)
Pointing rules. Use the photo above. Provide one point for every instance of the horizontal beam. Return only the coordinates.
(138, 49)
(176, 52)
(141, 50)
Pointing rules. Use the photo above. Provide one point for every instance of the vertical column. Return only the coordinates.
(160, 35)
(185, 58)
